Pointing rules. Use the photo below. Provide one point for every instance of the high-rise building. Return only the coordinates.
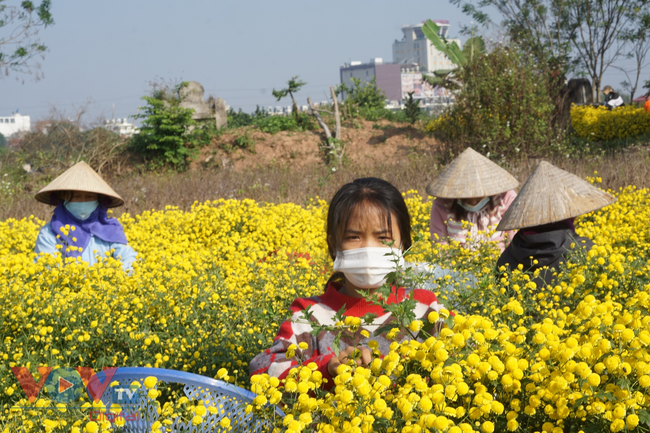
(416, 48)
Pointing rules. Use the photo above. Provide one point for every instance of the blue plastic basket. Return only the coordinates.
(229, 400)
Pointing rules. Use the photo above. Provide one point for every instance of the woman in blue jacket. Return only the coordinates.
(82, 199)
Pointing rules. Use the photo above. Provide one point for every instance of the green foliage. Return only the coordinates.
(362, 95)
(19, 50)
(3, 140)
(504, 110)
(269, 124)
(168, 135)
(293, 86)
(412, 108)
(375, 114)
(334, 151)
(245, 142)
(474, 46)
(275, 124)
(449, 49)
(237, 119)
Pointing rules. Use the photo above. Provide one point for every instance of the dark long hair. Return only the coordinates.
(367, 191)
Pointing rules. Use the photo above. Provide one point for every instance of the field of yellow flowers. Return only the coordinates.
(601, 124)
(213, 285)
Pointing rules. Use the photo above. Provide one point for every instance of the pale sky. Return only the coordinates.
(106, 52)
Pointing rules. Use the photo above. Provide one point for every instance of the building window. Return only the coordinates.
(13, 120)
(366, 73)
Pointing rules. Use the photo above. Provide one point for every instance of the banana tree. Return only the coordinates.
(448, 78)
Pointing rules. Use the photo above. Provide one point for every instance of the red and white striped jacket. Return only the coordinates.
(273, 360)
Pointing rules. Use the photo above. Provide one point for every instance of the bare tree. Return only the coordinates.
(595, 28)
(564, 34)
(19, 43)
(333, 146)
(639, 40)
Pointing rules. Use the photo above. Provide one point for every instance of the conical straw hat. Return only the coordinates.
(471, 175)
(80, 177)
(549, 195)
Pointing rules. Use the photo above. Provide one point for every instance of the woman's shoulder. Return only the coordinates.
(508, 196)
(425, 296)
(46, 230)
(505, 199)
(326, 298)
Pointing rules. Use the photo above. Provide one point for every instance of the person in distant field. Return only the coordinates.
(544, 213)
(471, 189)
(364, 215)
(612, 99)
(82, 198)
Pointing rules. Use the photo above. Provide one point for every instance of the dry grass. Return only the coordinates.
(283, 184)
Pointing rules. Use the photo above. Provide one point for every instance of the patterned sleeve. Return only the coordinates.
(274, 361)
(508, 198)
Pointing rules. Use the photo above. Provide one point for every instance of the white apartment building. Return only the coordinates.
(416, 48)
(121, 127)
(13, 124)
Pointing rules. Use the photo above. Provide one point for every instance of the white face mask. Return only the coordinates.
(477, 207)
(367, 268)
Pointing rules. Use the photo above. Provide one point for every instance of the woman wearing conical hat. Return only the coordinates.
(82, 198)
(544, 213)
(472, 193)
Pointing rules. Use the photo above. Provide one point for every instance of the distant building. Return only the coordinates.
(120, 126)
(387, 76)
(13, 124)
(395, 80)
(416, 48)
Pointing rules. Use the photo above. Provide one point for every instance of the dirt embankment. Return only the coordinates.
(369, 143)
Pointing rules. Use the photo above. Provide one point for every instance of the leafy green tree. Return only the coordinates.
(503, 110)
(412, 108)
(449, 77)
(3, 140)
(168, 135)
(362, 94)
(293, 86)
(19, 43)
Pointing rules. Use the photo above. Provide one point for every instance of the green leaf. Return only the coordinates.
(473, 47)
(449, 321)
(442, 73)
(644, 416)
(456, 55)
(433, 80)
(430, 30)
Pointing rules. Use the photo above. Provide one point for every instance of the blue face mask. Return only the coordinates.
(477, 207)
(81, 209)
